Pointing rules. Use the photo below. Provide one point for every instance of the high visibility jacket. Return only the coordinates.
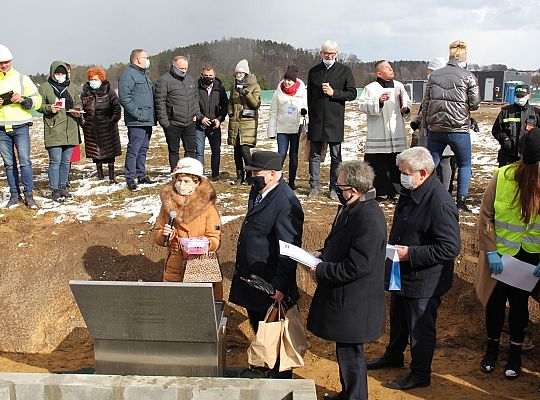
(16, 114)
(512, 233)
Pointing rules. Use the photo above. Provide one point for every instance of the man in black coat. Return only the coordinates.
(213, 103)
(426, 233)
(177, 109)
(274, 214)
(330, 84)
(513, 123)
(349, 305)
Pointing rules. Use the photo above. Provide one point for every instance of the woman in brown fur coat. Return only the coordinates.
(193, 198)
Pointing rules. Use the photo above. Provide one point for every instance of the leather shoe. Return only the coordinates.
(408, 382)
(146, 180)
(384, 362)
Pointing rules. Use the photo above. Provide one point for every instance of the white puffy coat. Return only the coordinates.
(285, 111)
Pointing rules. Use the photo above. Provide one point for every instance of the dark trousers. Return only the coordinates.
(352, 370)
(254, 318)
(315, 149)
(242, 156)
(415, 319)
(173, 134)
(387, 175)
(518, 314)
(138, 144)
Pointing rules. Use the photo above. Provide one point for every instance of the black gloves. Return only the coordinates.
(241, 91)
(474, 125)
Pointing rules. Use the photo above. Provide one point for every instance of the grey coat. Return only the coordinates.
(177, 100)
(451, 94)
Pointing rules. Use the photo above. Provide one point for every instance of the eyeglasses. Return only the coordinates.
(329, 53)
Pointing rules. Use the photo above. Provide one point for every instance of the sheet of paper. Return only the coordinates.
(517, 273)
(298, 254)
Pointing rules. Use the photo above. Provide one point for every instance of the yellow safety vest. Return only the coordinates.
(15, 114)
(512, 233)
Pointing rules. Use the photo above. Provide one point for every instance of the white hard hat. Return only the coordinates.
(5, 54)
(188, 165)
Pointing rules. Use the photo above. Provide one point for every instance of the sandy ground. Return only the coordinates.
(107, 235)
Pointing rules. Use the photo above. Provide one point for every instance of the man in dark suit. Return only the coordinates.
(426, 232)
(330, 85)
(274, 214)
(349, 306)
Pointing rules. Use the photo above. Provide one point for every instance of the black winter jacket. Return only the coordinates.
(511, 124)
(426, 220)
(177, 100)
(213, 105)
(327, 114)
(349, 304)
(100, 127)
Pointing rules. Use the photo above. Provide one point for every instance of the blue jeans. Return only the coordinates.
(59, 166)
(18, 139)
(214, 140)
(138, 144)
(460, 143)
(285, 140)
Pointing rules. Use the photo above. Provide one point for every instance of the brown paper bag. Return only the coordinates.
(264, 349)
(293, 344)
(203, 268)
(303, 148)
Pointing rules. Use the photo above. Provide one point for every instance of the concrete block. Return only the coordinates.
(6, 390)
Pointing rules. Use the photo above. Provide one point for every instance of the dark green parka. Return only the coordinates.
(242, 128)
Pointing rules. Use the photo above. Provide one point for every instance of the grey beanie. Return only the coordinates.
(242, 66)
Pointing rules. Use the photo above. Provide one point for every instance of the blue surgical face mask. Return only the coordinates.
(60, 78)
(520, 101)
(407, 181)
(328, 63)
(94, 84)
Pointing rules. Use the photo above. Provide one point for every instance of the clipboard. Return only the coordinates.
(6, 97)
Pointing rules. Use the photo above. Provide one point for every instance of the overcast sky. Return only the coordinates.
(104, 32)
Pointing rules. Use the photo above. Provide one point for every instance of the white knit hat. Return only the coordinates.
(189, 166)
(5, 54)
(242, 66)
(437, 63)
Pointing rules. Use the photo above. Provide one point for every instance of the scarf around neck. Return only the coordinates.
(292, 90)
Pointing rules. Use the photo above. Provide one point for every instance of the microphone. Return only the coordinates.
(172, 216)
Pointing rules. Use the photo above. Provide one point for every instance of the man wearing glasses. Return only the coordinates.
(348, 306)
(136, 95)
(330, 85)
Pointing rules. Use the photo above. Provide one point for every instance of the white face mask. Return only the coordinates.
(407, 181)
(185, 189)
(462, 64)
(147, 63)
(328, 63)
(520, 101)
(60, 78)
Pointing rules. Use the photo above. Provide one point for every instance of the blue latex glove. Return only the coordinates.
(536, 271)
(495, 262)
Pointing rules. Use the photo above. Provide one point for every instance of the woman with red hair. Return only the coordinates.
(100, 127)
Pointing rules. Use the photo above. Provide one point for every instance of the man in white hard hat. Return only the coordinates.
(18, 97)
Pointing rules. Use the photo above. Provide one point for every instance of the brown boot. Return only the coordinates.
(112, 176)
(100, 174)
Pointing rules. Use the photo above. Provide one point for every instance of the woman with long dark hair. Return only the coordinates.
(509, 226)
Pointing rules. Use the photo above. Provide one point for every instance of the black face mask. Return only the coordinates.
(258, 183)
(340, 197)
(208, 80)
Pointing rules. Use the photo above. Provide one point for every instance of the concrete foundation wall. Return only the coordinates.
(23, 386)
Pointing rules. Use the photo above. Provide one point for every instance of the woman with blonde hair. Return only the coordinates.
(451, 94)
(509, 225)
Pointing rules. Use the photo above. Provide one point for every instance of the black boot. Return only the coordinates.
(490, 358)
(100, 174)
(513, 366)
(112, 176)
(239, 177)
(247, 181)
(461, 205)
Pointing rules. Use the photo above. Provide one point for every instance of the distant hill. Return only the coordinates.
(267, 59)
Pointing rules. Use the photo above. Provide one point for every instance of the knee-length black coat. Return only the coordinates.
(100, 127)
